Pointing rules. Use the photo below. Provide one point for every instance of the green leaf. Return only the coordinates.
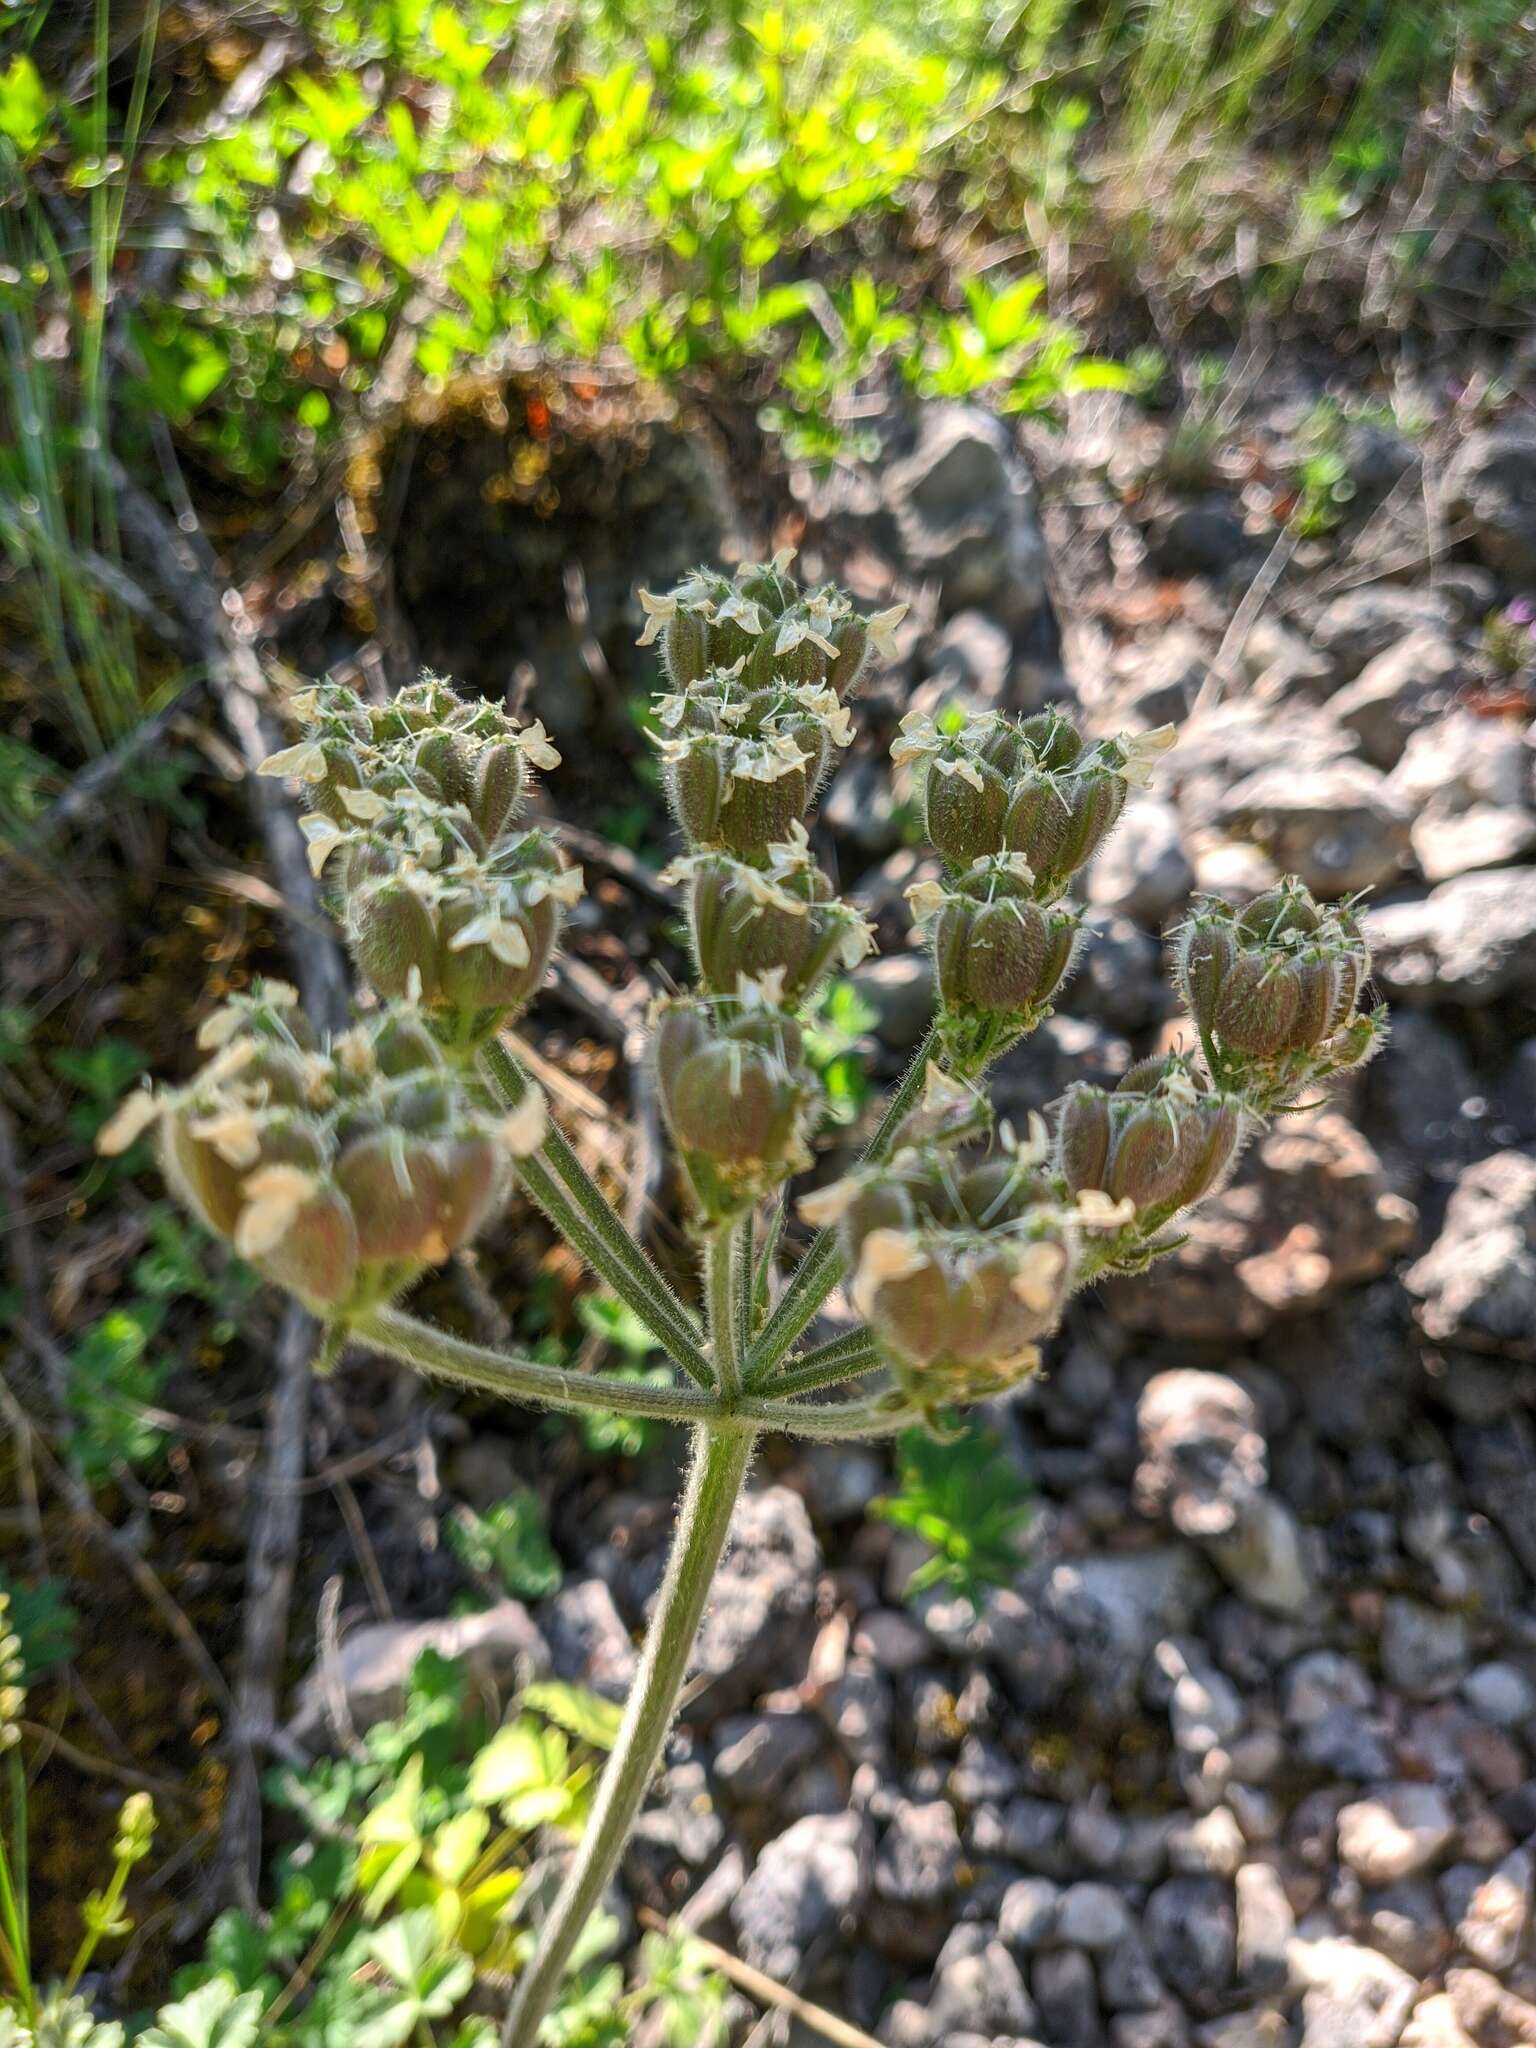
(214, 2016)
(581, 1713)
(964, 1498)
(25, 107)
(524, 1770)
(509, 1540)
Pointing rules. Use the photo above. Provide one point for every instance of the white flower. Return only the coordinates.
(1095, 1210)
(364, 804)
(792, 631)
(659, 613)
(828, 1205)
(763, 991)
(882, 630)
(522, 1131)
(305, 704)
(274, 1196)
(1036, 1146)
(925, 900)
(958, 764)
(885, 1255)
(128, 1122)
(235, 1134)
(306, 761)
(1142, 751)
(781, 561)
(857, 941)
(322, 836)
(537, 745)
(507, 941)
(768, 759)
(1037, 1275)
(671, 708)
(738, 610)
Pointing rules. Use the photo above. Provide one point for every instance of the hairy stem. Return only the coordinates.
(720, 1463)
(836, 1422)
(577, 1207)
(722, 1288)
(443, 1357)
(821, 1268)
(845, 1358)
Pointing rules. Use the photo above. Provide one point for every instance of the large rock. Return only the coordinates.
(1226, 745)
(1354, 1998)
(367, 1678)
(1476, 1285)
(1354, 628)
(761, 1602)
(963, 508)
(1340, 827)
(1491, 481)
(806, 1881)
(1468, 942)
(1467, 781)
(1398, 691)
(1143, 871)
(1309, 1214)
(1397, 1832)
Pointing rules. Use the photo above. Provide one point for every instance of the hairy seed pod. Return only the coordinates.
(1157, 1139)
(995, 948)
(735, 1092)
(782, 919)
(963, 813)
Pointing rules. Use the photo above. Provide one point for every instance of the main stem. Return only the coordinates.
(720, 1461)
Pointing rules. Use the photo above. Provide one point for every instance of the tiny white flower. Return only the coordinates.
(322, 836)
(235, 1134)
(740, 611)
(767, 760)
(1142, 750)
(828, 1205)
(857, 941)
(506, 940)
(1037, 1275)
(961, 765)
(274, 1196)
(781, 561)
(925, 900)
(305, 703)
(659, 613)
(522, 1131)
(306, 762)
(538, 746)
(364, 804)
(882, 630)
(1095, 1210)
(886, 1255)
(763, 991)
(128, 1122)
(792, 631)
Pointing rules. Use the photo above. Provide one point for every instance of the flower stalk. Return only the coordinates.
(347, 1170)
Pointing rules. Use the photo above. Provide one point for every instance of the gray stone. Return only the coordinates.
(1468, 942)
(970, 663)
(1491, 481)
(1062, 1981)
(1424, 1650)
(983, 1771)
(1212, 1846)
(858, 1707)
(1476, 1285)
(683, 1825)
(588, 1642)
(1403, 1921)
(1398, 691)
(760, 1606)
(759, 1753)
(1361, 624)
(1162, 680)
(1500, 1693)
(1205, 538)
(891, 1639)
(1092, 1916)
(805, 1882)
(1260, 2027)
(1467, 781)
(918, 1854)
(963, 508)
(1128, 1980)
(1399, 1830)
(980, 1994)
(1497, 1920)
(1032, 1835)
(860, 806)
(1340, 827)
(1493, 2016)
(1191, 1932)
(1354, 1998)
(899, 989)
(1143, 870)
(373, 1665)
(1027, 1918)
(1118, 978)
(1447, 843)
(1265, 1927)
(1203, 1457)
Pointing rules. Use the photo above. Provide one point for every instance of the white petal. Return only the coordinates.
(322, 835)
(129, 1121)
(364, 804)
(274, 1195)
(828, 1205)
(522, 1131)
(659, 611)
(886, 1255)
(234, 1134)
(1038, 1274)
(882, 630)
(538, 746)
(306, 761)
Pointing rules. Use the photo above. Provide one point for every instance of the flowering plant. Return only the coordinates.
(344, 1170)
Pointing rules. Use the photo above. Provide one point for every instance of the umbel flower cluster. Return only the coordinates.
(344, 1170)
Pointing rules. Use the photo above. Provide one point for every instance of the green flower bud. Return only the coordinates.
(782, 919)
(736, 1094)
(959, 1267)
(1273, 989)
(743, 765)
(999, 955)
(1158, 1140)
(394, 1161)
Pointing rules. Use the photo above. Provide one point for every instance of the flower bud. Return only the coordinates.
(736, 1094)
(1156, 1140)
(782, 918)
(390, 1162)
(1273, 989)
(959, 1266)
(999, 955)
